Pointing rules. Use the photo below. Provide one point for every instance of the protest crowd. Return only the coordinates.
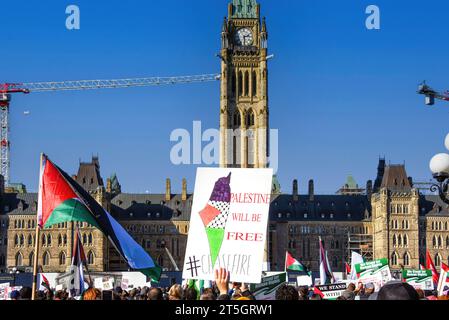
(222, 289)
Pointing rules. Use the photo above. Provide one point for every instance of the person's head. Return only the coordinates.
(25, 293)
(287, 293)
(348, 295)
(49, 295)
(351, 287)
(303, 291)
(15, 295)
(369, 288)
(91, 294)
(421, 294)
(207, 296)
(155, 294)
(397, 291)
(175, 292)
(190, 294)
(118, 290)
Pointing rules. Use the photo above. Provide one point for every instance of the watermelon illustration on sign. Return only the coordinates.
(215, 215)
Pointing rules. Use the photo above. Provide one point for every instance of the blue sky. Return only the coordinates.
(340, 95)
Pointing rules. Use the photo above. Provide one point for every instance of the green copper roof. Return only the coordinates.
(350, 183)
(245, 9)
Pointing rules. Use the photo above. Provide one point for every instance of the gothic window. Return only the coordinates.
(84, 239)
(434, 242)
(90, 239)
(22, 240)
(250, 119)
(31, 259)
(44, 240)
(254, 84)
(406, 208)
(395, 241)
(16, 240)
(65, 240)
(440, 242)
(399, 208)
(30, 240)
(237, 119)
(393, 208)
(233, 82)
(240, 81)
(90, 258)
(405, 241)
(59, 240)
(19, 259)
(394, 259)
(447, 242)
(399, 240)
(46, 259)
(406, 259)
(62, 258)
(433, 225)
(337, 245)
(49, 240)
(437, 259)
(246, 84)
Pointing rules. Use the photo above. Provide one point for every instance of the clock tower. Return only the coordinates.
(244, 116)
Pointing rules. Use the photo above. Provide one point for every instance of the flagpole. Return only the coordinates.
(36, 242)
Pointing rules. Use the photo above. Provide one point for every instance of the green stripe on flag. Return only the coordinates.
(70, 210)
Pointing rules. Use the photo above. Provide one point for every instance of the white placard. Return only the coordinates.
(304, 281)
(228, 224)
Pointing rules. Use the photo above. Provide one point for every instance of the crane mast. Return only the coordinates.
(78, 85)
(431, 94)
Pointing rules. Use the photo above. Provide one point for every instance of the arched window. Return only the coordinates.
(19, 259)
(90, 239)
(250, 119)
(434, 242)
(437, 259)
(240, 81)
(62, 257)
(59, 240)
(403, 224)
(31, 259)
(254, 84)
(399, 240)
(246, 83)
(49, 240)
(337, 245)
(84, 238)
(90, 258)
(406, 259)
(233, 82)
(237, 119)
(394, 259)
(405, 241)
(16, 240)
(46, 259)
(440, 242)
(447, 242)
(395, 241)
(65, 240)
(22, 240)
(30, 240)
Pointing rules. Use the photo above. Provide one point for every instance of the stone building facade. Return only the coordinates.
(387, 219)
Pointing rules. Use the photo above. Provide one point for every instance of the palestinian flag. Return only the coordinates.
(61, 199)
(215, 215)
(45, 283)
(326, 275)
(294, 265)
(443, 282)
(76, 284)
(431, 266)
(348, 268)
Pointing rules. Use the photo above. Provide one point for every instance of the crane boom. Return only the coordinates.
(7, 89)
(431, 94)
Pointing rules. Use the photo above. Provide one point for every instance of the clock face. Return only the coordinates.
(244, 37)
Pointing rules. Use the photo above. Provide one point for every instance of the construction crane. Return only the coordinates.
(431, 94)
(7, 89)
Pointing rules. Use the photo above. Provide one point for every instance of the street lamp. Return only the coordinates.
(439, 165)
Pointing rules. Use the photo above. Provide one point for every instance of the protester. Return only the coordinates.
(155, 294)
(190, 294)
(15, 295)
(175, 292)
(287, 293)
(369, 290)
(92, 294)
(396, 290)
(303, 293)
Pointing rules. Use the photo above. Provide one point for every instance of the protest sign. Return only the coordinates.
(304, 281)
(98, 283)
(331, 291)
(4, 291)
(228, 224)
(266, 290)
(376, 272)
(419, 279)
